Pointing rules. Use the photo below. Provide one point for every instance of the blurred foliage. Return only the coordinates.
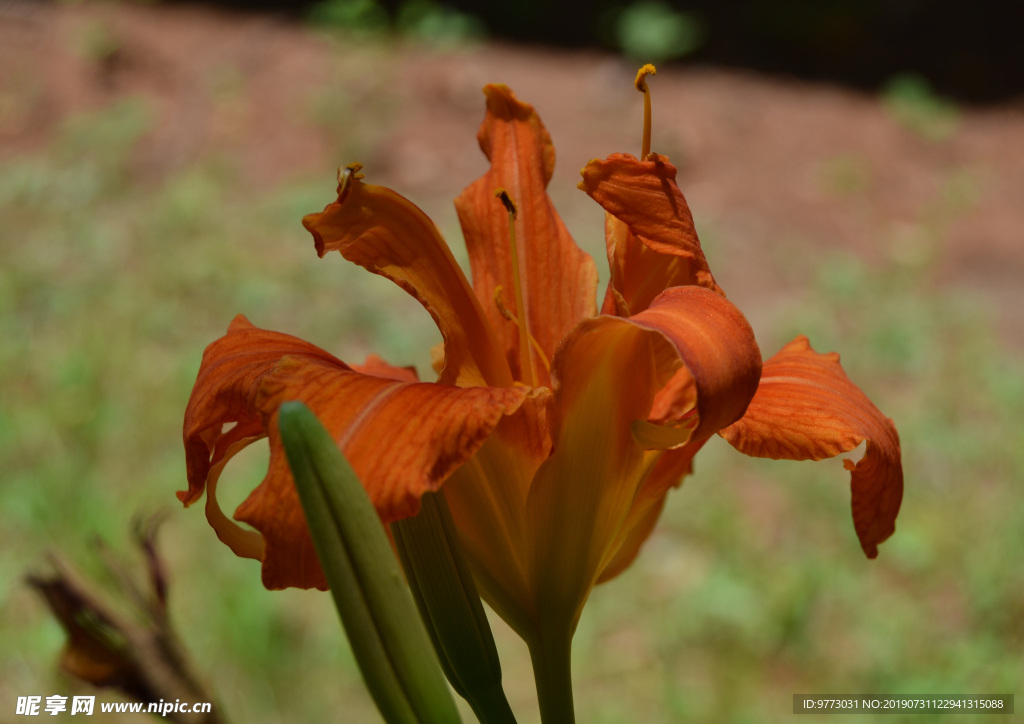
(846, 174)
(651, 32)
(753, 588)
(910, 100)
(438, 24)
(422, 20)
(96, 42)
(352, 15)
(968, 51)
(110, 287)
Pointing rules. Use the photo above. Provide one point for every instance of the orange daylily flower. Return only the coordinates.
(556, 459)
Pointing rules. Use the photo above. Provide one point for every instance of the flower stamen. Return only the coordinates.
(507, 314)
(526, 359)
(641, 85)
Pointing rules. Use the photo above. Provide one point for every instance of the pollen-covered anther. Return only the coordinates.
(641, 77)
(507, 201)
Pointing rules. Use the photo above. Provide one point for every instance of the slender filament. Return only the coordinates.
(507, 314)
(525, 358)
(641, 85)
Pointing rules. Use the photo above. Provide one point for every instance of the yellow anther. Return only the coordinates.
(641, 85)
(525, 358)
(504, 312)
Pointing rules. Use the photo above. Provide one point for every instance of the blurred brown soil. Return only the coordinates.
(772, 167)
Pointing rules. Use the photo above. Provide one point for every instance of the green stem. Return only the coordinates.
(553, 673)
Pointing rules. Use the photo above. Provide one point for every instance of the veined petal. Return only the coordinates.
(375, 366)
(387, 234)
(634, 534)
(487, 496)
(605, 378)
(225, 392)
(806, 408)
(649, 233)
(607, 373)
(401, 438)
(559, 280)
(664, 471)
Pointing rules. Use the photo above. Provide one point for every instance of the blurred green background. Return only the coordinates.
(114, 276)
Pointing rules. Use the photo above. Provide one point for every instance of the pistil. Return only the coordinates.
(641, 85)
(526, 359)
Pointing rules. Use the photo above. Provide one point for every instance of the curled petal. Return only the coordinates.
(402, 438)
(221, 411)
(607, 373)
(807, 409)
(677, 399)
(649, 233)
(666, 436)
(712, 339)
(387, 234)
(558, 279)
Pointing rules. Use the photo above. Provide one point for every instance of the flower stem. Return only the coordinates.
(553, 673)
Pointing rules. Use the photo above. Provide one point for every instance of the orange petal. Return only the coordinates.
(649, 233)
(224, 394)
(605, 378)
(634, 534)
(607, 373)
(559, 280)
(487, 496)
(807, 409)
(387, 234)
(401, 438)
(715, 343)
(377, 367)
(666, 471)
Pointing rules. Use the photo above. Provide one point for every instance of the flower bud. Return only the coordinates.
(442, 585)
(387, 636)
